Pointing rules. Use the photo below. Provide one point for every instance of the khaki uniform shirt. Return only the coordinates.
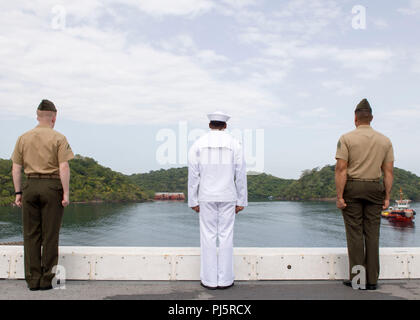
(365, 150)
(41, 150)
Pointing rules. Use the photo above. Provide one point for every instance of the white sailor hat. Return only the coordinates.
(218, 116)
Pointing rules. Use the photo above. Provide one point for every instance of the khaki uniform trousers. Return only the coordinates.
(42, 216)
(362, 219)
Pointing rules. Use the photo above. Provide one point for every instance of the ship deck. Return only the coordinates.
(191, 290)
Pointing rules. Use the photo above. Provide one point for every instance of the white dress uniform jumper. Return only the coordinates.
(217, 183)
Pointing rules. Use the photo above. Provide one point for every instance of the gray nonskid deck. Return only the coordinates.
(191, 290)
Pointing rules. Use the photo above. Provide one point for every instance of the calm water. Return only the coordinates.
(262, 224)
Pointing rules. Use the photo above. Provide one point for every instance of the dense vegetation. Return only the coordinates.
(6, 183)
(89, 182)
(315, 184)
(320, 184)
(262, 186)
(171, 180)
(93, 182)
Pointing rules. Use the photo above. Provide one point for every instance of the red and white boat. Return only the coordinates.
(401, 212)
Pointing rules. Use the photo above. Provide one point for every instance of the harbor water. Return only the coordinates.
(167, 224)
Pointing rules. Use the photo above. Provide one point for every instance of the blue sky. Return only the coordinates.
(121, 71)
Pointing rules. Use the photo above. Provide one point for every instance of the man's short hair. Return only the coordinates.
(47, 105)
(364, 115)
(217, 124)
(45, 114)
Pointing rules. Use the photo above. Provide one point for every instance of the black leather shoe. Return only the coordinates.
(46, 288)
(34, 289)
(208, 287)
(225, 287)
(348, 283)
(371, 286)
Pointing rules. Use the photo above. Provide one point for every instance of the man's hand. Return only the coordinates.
(386, 204)
(196, 209)
(66, 200)
(18, 200)
(238, 209)
(341, 204)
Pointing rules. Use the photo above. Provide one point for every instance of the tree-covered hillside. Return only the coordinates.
(171, 180)
(6, 183)
(89, 182)
(262, 186)
(93, 182)
(315, 184)
(320, 184)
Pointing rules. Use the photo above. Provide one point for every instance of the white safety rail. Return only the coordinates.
(141, 263)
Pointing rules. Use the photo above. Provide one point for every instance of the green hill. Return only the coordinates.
(171, 180)
(263, 185)
(320, 184)
(89, 182)
(176, 180)
(92, 182)
(315, 184)
(6, 182)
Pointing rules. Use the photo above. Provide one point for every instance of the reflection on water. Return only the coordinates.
(262, 224)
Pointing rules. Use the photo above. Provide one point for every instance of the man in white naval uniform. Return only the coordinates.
(217, 190)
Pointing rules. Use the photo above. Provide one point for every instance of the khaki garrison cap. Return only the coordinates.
(364, 106)
(47, 105)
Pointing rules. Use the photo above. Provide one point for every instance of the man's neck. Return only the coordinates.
(45, 124)
(362, 124)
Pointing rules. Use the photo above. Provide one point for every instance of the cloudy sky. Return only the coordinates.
(122, 71)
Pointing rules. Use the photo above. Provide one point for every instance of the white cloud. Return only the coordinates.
(412, 9)
(380, 23)
(184, 44)
(94, 70)
(97, 76)
(240, 3)
(171, 7)
(415, 60)
(314, 113)
(405, 114)
(339, 88)
(319, 70)
(290, 34)
(367, 63)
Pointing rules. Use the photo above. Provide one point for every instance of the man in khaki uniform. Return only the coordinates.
(362, 156)
(44, 154)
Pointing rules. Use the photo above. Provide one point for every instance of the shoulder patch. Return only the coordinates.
(339, 144)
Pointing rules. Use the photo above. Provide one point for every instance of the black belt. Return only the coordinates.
(43, 176)
(364, 180)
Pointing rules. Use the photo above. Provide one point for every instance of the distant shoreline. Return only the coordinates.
(152, 200)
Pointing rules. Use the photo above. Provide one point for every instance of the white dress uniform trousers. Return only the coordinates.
(217, 183)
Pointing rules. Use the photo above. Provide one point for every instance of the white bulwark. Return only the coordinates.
(141, 263)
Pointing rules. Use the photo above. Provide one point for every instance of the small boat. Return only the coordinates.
(401, 212)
